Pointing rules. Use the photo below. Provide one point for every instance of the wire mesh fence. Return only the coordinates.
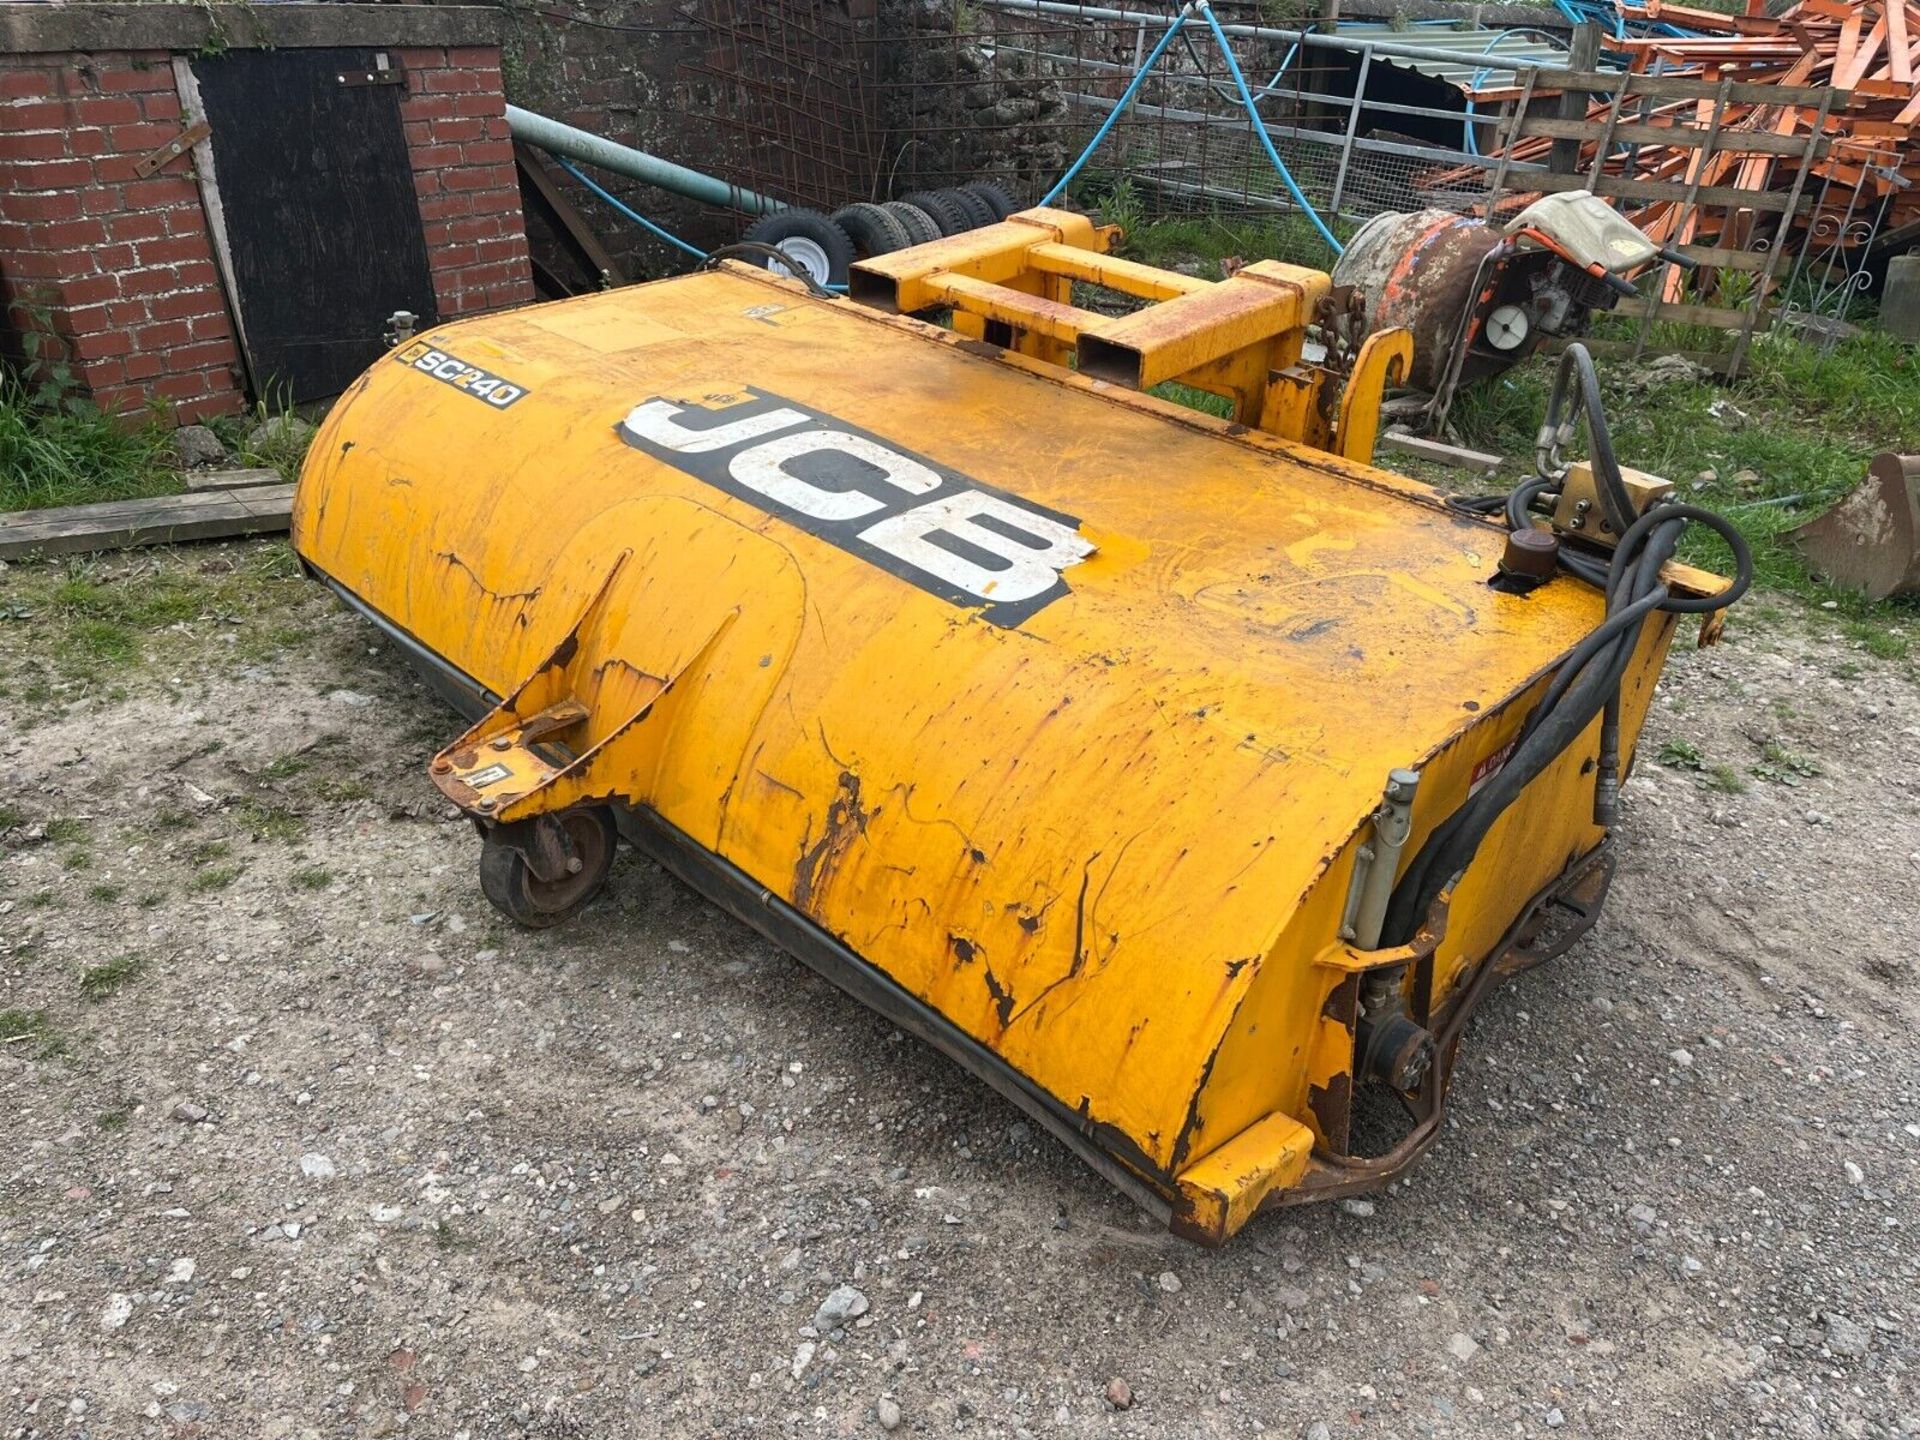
(832, 101)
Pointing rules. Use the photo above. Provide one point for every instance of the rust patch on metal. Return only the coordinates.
(454, 562)
(847, 821)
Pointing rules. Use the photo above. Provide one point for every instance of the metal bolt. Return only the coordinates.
(503, 742)
(574, 866)
(442, 766)
(486, 803)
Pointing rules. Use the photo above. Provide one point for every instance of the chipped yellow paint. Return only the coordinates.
(1110, 843)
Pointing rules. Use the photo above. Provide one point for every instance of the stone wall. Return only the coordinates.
(950, 111)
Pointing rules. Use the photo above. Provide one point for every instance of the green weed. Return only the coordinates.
(97, 982)
(214, 877)
(31, 1031)
(1681, 755)
(1782, 766)
(265, 821)
(312, 877)
(57, 450)
(1726, 780)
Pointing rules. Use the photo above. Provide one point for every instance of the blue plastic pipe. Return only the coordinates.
(1119, 109)
(1260, 130)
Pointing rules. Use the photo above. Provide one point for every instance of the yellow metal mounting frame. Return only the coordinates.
(1243, 338)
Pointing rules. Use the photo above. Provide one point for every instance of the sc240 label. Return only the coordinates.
(496, 390)
(942, 531)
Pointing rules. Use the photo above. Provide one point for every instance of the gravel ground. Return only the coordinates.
(299, 1140)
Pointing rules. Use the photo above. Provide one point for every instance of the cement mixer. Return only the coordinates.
(1479, 298)
(1186, 779)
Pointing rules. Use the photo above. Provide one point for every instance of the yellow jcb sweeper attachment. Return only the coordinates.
(1186, 779)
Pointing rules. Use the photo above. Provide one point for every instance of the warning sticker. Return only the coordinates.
(1491, 766)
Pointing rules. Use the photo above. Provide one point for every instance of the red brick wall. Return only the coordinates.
(456, 121)
(117, 273)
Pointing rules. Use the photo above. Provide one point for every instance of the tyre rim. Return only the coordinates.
(589, 840)
(809, 256)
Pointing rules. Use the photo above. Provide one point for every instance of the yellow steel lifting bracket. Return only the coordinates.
(1244, 337)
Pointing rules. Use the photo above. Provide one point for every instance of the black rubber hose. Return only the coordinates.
(1576, 363)
(1589, 679)
(755, 250)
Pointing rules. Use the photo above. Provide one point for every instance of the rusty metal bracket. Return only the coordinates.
(189, 137)
(382, 73)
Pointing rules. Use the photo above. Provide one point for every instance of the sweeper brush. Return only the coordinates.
(1186, 779)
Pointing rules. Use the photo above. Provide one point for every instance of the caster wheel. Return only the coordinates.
(581, 859)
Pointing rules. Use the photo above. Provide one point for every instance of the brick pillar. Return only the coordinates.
(115, 272)
(456, 121)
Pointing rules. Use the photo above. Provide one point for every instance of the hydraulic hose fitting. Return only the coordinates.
(1394, 1051)
(1606, 783)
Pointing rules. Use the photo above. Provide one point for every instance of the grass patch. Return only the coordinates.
(31, 1031)
(85, 621)
(56, 450)
(312, 877)
(10, 816)
(205, 852)
(103, 894)
(97, 982)
(214, 877)
(1770, 451)
(1726, 780)
(1205, 401)
(113, 1121)
(67, 830)
(348, 789)
(1205, 239)
(267, 437)
(266, 821)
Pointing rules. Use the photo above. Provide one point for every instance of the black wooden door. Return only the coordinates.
(316, 192)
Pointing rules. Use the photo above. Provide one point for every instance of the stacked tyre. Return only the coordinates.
(924, 215)
(822, 247)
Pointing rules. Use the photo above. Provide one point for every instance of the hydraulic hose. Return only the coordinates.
(1588, 681)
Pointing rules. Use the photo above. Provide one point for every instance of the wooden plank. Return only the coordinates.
(1679, 87)
(231, 479)
(1583, 55)
(1848, 75)
(162, 520)
(1681, 137)
(1713, 317)
(1544, 183)
(1899, 49)
(1440, 453)
(573, 224)
(1722, 257)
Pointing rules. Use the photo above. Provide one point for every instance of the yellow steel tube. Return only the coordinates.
(1148, 282)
